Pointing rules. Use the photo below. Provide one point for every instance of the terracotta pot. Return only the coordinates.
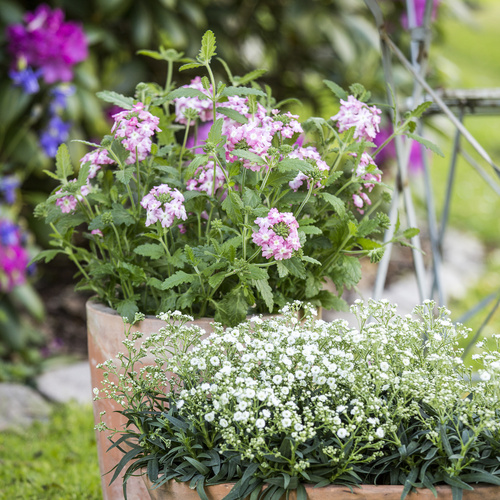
(172, 490)
(105, 330)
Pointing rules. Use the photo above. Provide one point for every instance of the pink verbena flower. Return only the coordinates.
(46, 42)
(13, 256)
(286, 123)
(202, 106)
(97, 159)
(361, 199)
(277, 235)
(302, 153)
(164, 204)
(203, 179)
(136, 127)
(68, 203)
(357, 114)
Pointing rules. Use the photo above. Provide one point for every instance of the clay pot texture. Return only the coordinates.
(173, 490)
(105, 332)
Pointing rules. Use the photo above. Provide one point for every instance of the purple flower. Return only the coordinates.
(13, 257)
(54, 135)
(27, 79)
(419, 13)
(8, 186)
(48, 43)
(164, 204)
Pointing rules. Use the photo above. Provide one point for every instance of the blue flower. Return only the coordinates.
(60, 96)
(8, 186)
(27, 79)
(54, 135)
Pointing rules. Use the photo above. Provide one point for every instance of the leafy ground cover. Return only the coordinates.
(54, 460)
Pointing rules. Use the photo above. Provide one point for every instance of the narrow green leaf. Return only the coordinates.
(117, 99)
(231, 91)
(248, 155)
(336, 89)
(64, 168)
(250, 77)
(337, 204)
(266, 292)
(178, 278)
(233, 114)
(419, 110)
(186, 92)
(208, 47)
(425, 142)
(155, 251)
(411, 232)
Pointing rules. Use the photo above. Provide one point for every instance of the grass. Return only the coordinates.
(55, 460)
(474, 206)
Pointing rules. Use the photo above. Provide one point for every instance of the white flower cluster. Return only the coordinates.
(307, 378)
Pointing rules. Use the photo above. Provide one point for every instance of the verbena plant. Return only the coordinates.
(216, 217)
(280, 403)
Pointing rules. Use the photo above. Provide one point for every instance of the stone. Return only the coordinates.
(71, 382)
(20, 406)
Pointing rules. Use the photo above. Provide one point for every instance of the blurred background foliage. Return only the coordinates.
(299, 43)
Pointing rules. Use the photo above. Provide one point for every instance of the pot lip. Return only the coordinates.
(390, 487)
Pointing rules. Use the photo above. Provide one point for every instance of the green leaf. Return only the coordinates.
(250, 77)
(232, 309)
(419, 110)
(336, 89)
(208, 47)
(282, 269)
(233, 206)
(257, 273)
(192, 65)
(313, 286)
(202, 469)
(178, 278)
(121, 215)
(216, 279)
(265, 291)
(127, 309)
(197, 161)
(306, 258)
(425, 142)
(63, 162)
(295, 165)
(51, 174)
(411, 232)
(311, 230)
(186, 92)
(233, 114)
(248, 155)
(231, 91)
(155, 251)
(117, 99)
(46, 255)
(125, 175)
(337, 204)
(295, 267)
(119, 151)
(215, 133)
(328, 300)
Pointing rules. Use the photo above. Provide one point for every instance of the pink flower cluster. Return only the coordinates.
(13, 256)
(202, 106)
(164, 204)
(136, 128)
(97, 158)
(203, 179)
(48, 43)
(361, 199)
(302, 153)
(357, 114)
(277, 235)
(68, 203)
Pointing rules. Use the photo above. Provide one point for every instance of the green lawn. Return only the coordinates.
(473, 49)
(56, 460)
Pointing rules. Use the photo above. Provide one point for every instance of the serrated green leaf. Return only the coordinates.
(250, 77)
(186, 92)
(295, 267)
(216, 279)
(233, 114)
(197, 162)
(208, 47)
(419, 110)
(257, 273)
(215, 133)
(411, 232)
(64, 168)
(116, 98)
(121, 215)
(266, 292)
(192, 65)
(51, 174)
(282, 270)
(127, 309)
(248, 155)
(295, 165)
(336, 89)
(119, 152)
(311, 230)
(306, 258)
(337, 204)
(232, 91)
(178, 278)
(152, 250)
(425, 142)
(233, 205)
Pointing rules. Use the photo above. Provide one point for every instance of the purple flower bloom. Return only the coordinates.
(8, 186)
(164, 204)
(27, 79)
(48, 43)
(419, 13)
(13, 257)
(54, 135)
